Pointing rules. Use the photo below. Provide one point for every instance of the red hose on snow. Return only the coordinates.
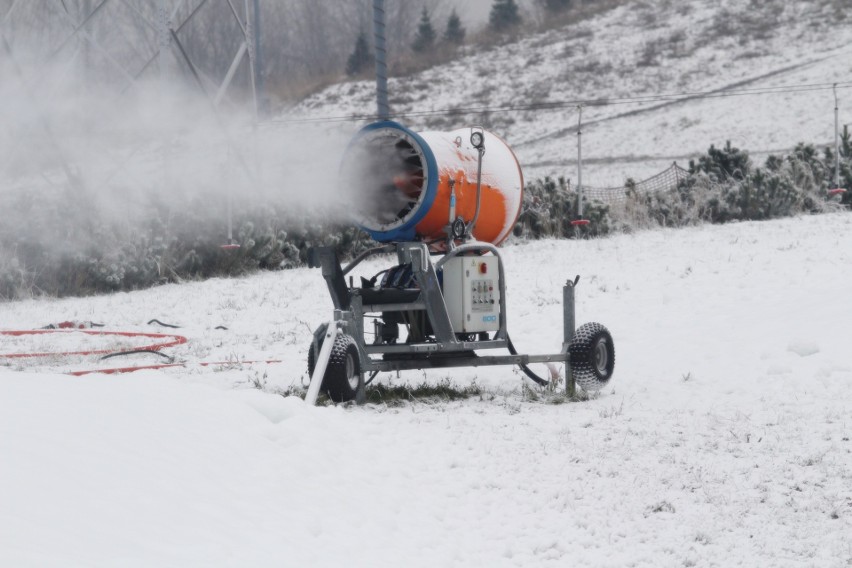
(121, 370)
(172, 340)
(169, 340)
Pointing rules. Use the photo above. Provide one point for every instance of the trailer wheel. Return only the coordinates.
(343, 375)
(592, 356)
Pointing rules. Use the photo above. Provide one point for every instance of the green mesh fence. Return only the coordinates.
(663, 181)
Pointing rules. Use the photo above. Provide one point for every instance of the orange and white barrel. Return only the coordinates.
(411, 186)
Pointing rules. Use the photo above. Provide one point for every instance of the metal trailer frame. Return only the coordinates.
(352, 305)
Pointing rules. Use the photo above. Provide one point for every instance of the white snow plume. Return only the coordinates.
(77, 153)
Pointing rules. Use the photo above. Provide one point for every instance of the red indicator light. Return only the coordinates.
(483, 268)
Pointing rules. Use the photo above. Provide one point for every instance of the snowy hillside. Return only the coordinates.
(723, 440)
(641, 49)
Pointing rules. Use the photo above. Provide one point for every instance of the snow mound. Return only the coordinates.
(803, 348)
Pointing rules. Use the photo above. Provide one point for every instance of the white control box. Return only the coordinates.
(472, 293)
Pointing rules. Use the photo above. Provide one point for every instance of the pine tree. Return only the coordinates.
(425, 38)
(504, 15)
(455, 32)
(361, 57)
(556, 6)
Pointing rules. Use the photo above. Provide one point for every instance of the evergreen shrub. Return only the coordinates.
(725, 186)
(549, 207)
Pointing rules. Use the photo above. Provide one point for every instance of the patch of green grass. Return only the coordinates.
(443, 391)
(548, 395)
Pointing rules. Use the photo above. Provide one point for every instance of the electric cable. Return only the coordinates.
(372, 376)
(566, 104)
(527, 371)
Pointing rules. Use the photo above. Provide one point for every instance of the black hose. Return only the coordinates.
(375, 278)
(135, 351)
(158, 322)
(527, 371)
(372, 376)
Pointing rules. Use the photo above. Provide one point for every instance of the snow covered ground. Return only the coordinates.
(723, 439)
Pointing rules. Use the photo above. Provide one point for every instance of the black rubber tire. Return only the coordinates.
(592, 356)
(342, 376)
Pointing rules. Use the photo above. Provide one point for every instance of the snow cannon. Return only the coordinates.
(432, 185)
(442, 202)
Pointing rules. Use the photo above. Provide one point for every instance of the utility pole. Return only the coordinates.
(580, 162)
(836, 140)
(836, 190)
(86, 48)
(381, 60)
(165, 66)
(579, 221)
(258, 62)
(164, 39)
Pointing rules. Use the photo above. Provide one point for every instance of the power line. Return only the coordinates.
(566, 104)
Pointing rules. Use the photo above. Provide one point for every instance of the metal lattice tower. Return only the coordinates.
(112, 45)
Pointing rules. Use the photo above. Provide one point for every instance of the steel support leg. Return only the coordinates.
(321, 363)
(568, 325)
